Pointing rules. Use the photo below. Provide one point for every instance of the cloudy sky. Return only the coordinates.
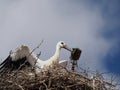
(91, 25)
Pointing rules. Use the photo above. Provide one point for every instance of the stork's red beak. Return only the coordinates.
(67, 48)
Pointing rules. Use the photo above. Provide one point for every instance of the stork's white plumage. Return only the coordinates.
(24, 53)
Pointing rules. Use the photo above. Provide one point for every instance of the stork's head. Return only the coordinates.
(62, 44)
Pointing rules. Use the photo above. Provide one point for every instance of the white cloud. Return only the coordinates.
(27, 22)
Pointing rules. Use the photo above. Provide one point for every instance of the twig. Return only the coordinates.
(45, 85)
(15, 84)
(38, 55)
(72, 85)
(37, 47)
(49, 84)
(19, 86)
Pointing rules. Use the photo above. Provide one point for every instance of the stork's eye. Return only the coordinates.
(62, 43)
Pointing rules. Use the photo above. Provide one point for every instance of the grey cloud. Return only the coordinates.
(28, 22)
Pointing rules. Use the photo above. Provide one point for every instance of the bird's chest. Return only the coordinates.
(53, 61)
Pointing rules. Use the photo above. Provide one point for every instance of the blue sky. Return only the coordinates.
(92, 25)
(111, 13)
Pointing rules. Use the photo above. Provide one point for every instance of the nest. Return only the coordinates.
(52, 79)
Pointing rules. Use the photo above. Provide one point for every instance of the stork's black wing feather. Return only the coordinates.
(8, 65)
(6, 60)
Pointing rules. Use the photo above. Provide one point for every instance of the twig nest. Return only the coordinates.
(75, 54)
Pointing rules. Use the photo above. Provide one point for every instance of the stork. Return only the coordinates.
(24, 53)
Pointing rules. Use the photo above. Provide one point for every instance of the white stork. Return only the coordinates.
(24, 53)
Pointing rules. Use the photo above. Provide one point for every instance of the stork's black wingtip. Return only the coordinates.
(5, 63)
(6, 60)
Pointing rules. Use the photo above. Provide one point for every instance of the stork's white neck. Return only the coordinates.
(57, 52)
